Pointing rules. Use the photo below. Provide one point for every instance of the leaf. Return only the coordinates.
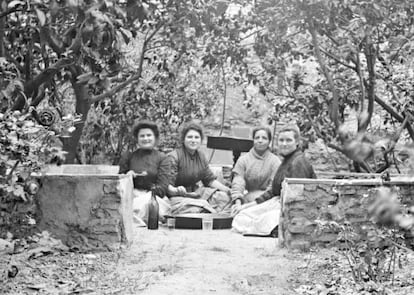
(126, 34)
(84, 77)
(41, 16)
(136, 11)
(18, 191)
(14, 3)
(74, 3)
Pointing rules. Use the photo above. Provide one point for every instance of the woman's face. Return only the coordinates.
(146, 139)
(287, 143)
(192, 140)
(261, 141)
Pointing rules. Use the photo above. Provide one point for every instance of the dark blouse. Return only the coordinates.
(154, 162)
(294, 165)
(188, 169)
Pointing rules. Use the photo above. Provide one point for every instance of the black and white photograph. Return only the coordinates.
(207, 147)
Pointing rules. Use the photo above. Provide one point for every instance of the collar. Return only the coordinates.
(260, 157)
(292, 155)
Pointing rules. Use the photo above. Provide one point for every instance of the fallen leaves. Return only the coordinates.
(327, 273)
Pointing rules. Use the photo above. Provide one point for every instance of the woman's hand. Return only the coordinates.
(131, 172)
(235, 209)
(240, 208)
(180, 191)
(135, 174)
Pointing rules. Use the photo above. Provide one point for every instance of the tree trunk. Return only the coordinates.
(2, 25)
(334, 104)
(70, 144)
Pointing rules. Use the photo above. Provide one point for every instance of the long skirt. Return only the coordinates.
(210, 201)
(260, 219)
(140, 204)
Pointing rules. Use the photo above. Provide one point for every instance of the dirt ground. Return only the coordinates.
(190, 262)
(206, 262)
(157, 262)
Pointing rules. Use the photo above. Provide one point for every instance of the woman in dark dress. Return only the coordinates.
(149, 169)
(261, 216)
(189, 167)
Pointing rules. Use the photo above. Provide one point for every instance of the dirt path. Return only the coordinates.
(201, 262)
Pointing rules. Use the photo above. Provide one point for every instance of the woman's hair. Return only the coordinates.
(143, 124)
(291, 127)
(191, 126)
(265, 129)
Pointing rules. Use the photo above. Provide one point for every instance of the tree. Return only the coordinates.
(360, 52)
(80, 44)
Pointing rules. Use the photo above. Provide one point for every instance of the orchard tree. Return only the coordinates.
(80, 45)
(361, 56)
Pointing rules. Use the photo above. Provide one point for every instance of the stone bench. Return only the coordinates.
(305, 202)
(86, 206)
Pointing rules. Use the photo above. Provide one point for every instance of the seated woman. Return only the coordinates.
(149, 169)
(261, 216)
(255, 170)
(188, 167)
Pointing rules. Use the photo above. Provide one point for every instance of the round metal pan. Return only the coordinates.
(194, 220)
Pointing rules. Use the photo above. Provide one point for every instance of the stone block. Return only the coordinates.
(310, 213)
(305, 206)
(310, 187)
(299, 244)
(301, 225)
(79, 209)
(347, 190)
(293, 193)
(298, 205)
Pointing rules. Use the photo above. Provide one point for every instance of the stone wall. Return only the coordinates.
(87, 211)
(305, 202)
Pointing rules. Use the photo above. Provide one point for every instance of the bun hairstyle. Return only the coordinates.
(146, 124)
(191, 126)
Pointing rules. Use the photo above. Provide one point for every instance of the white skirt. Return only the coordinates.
(260, 219)
(140, 204)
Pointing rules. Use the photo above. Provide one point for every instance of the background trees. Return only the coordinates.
(112, 62)
(324, 59)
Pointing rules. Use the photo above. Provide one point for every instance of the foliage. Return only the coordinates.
(374, 250)
(84, 44)
(25, 147)
(321, 61)
(186, 92)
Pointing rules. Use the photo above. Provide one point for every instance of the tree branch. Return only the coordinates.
(115, 89)
(135, 77)
(46, 75)
(2, 25)
(371, 58)
(400, 118)
(31, 86)
(10, 11)
(338, 60)
(335, 97)
(361, 82)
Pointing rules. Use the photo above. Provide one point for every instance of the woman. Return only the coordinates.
(255, 170)
(261, 216)
(149, 169)
(188, 167)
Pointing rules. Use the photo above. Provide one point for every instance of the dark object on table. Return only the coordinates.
(235, 144)
(194, 220)
(153, 211)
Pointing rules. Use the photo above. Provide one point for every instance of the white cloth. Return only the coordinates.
(260, 219)
(140, 204)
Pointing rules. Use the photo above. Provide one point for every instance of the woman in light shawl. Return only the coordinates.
(254, 171)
